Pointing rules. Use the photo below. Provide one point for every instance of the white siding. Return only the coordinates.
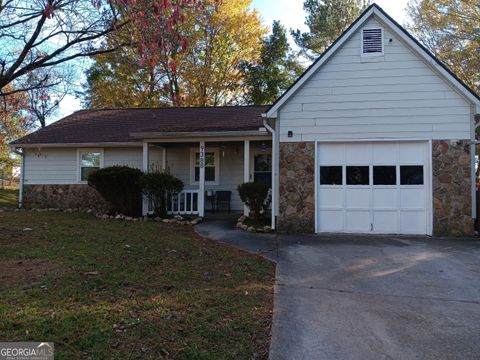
(393, 96)
(132, 157)
(50, 166)
(59, 166)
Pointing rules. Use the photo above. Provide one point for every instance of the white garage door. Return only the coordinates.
(373, 187)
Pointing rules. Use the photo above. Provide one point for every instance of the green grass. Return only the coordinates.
(8, 198)
(118, 290)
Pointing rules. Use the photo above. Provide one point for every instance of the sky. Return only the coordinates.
(291, 15)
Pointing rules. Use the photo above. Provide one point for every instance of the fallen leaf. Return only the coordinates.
(91, 273)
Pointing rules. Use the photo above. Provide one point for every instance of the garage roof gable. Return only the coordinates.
(424, 53)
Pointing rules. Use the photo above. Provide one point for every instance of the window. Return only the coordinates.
(384, 175)
(331, 175)
(358, 175)
(372, 42)
(411, 175)
(89, 161)
(211, 167)
(262, 169)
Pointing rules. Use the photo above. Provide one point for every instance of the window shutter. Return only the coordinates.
(372, 41)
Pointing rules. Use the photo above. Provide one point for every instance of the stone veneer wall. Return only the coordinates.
(79, 196)
(297, 181)
(452, 200)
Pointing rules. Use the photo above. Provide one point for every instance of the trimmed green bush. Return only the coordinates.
(158, 187)
(256, 197)
(119, 186)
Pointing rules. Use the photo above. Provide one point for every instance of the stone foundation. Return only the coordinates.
(297, 181)
(452, 200)
(79, 196)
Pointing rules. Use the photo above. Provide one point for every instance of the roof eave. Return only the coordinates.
(189, 134)
(76, 145)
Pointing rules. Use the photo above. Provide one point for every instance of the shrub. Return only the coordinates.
(119, 186)
(256, 197)
(159, 186)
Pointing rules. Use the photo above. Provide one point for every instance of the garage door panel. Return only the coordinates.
(384, 154)
(358, 154)
(330, 198)
(412, 222)
(411, 153)
(357, 220)
(330, 154)
(385, 221)
(385, 198)
(357, 197)
(412, 198)
(331, 220)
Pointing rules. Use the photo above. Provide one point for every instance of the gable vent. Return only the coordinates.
(372, 41)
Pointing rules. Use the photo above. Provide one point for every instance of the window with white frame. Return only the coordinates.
(211, 166)
(88, 162)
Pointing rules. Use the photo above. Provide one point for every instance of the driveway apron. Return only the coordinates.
(369, 297)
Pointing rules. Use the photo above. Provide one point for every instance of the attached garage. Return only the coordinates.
(377, 136)
(373, 187)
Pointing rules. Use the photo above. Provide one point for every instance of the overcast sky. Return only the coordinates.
(291, 15)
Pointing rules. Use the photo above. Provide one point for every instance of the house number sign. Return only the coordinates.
(202, 156)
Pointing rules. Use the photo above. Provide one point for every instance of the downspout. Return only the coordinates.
(22, 178)
(274, 157)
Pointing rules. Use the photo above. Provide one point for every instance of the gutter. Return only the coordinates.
(78, 145)
(202, 134)
(22, 178)
(274, 162)
(265, 123)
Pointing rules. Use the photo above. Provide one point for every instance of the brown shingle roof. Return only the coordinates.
(116, 125)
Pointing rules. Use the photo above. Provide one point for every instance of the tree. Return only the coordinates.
(326, 20)
(220, 36)
(117, 80)
(277, 69)
(44, 33)
(13, 124)
(43, 102)
(450, 30)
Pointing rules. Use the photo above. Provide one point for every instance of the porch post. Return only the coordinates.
(145, 170)
(164, 158)
(246, 170)
(201, 181)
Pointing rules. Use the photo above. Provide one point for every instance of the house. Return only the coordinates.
(377, 136)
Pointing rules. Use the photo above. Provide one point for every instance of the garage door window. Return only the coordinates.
(358, 175)
(411, 175)
(331, 175)
(384, 175)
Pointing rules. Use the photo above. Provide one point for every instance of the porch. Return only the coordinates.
(211, 170)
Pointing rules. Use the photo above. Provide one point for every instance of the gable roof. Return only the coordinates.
(374, 9)
(117, 125)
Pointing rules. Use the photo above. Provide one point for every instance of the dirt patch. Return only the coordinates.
(25, 272)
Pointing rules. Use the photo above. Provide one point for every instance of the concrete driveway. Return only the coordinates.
(369, 297)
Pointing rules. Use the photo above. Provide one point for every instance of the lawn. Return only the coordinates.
(108, 289)
(8, 198)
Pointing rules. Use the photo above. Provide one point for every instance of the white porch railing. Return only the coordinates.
(184, 203)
